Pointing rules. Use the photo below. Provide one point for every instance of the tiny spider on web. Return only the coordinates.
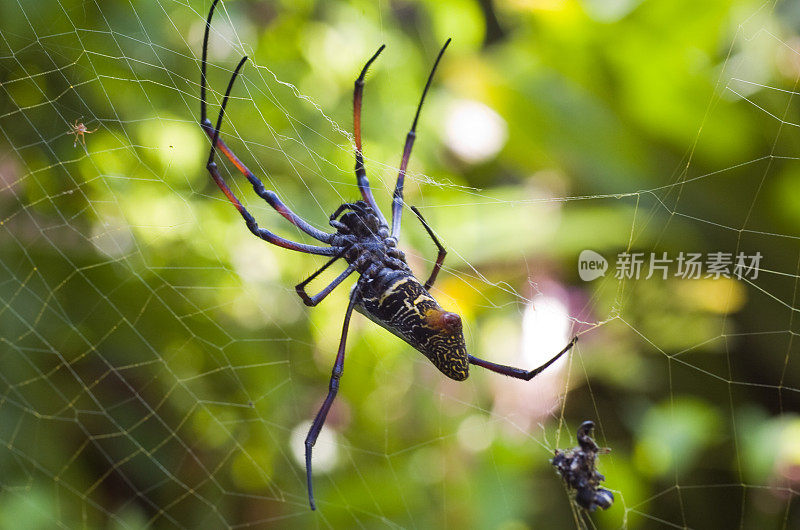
(577, 467)
(80, 131)
(387, 292)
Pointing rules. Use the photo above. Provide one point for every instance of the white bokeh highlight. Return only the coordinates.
(473, 131)
(545, 330)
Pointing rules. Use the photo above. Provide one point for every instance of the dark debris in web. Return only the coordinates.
(577, 467)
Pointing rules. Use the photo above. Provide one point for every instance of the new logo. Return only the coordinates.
(591, 265)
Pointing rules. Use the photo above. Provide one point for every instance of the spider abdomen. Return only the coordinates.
(398, 302)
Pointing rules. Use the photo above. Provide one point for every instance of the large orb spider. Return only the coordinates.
(387, 292)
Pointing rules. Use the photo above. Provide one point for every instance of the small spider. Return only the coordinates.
(80, 131)
(577, 467)
(387, 291)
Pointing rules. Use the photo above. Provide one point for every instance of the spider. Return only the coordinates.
(577, 467)
(387, 292)
(80, 131)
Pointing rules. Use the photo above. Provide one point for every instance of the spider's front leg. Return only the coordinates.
(217, 143)
(333, 388)
(250, 221)
(361, 173)
(269, 196)
(397, 196)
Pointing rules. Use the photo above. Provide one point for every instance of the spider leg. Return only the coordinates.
(317, 298)
(519, 373)
(347, 206)
(361, 173)
(333, 388)
(263, 233)
(213, 133)
(397, 196)
(268, 195)
(442, 252)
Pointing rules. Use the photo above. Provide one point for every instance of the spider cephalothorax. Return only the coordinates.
(366, 240)
(387, 291)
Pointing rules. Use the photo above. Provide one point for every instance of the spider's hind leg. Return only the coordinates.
(519, 373)
(333, 389)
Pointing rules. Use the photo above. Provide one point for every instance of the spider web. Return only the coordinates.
(158, 368)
